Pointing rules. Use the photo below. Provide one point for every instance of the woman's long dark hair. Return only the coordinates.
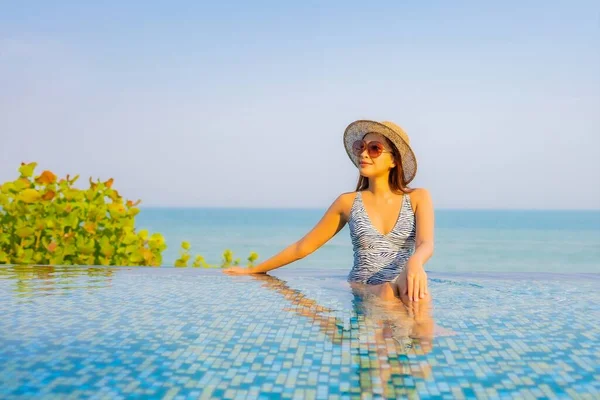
(396, 178)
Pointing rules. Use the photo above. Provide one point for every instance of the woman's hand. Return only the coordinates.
(239, 271)
(416, 280)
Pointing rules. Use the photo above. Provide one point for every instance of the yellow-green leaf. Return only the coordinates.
(8, 187)
(26, 170)
(136, 257)
(22, 184)
(130, 238)
(24, 232)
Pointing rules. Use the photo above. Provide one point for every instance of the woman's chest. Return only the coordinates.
(363, 232)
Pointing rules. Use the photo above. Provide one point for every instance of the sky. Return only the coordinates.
(243, 104)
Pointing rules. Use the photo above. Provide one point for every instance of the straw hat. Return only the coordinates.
(358, 129)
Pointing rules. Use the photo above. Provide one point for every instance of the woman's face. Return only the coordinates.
(373, 167)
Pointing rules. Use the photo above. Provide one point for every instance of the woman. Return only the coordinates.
(391, 225)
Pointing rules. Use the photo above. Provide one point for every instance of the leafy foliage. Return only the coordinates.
(199, 261)
(48, 221)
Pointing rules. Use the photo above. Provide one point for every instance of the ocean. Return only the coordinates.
(465, 240)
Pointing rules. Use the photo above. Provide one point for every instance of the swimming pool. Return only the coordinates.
(105, 332)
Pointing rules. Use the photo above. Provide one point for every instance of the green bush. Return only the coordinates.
(50, 222)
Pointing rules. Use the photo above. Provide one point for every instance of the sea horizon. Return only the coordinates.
(142, 207)
(465, 240)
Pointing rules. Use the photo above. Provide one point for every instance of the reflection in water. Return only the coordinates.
(41, 280)
(382, 334)
(384, 339)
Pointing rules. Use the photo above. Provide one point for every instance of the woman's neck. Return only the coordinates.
(380, 187)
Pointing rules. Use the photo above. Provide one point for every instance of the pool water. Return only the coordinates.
(179, 333)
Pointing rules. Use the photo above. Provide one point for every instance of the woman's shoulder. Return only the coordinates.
(347, 198)
(345, 201)
(418, 192)
(417, 195)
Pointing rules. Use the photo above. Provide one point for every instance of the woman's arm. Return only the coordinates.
(425, 226)
(416, 285)
(329, 225)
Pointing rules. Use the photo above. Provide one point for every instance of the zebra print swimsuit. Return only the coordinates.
(380, 258)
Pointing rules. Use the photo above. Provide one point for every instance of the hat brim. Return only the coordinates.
(358, 129)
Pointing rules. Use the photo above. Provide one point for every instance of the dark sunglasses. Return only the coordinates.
(374, 148)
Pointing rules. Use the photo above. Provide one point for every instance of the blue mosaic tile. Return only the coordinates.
(91, 332)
